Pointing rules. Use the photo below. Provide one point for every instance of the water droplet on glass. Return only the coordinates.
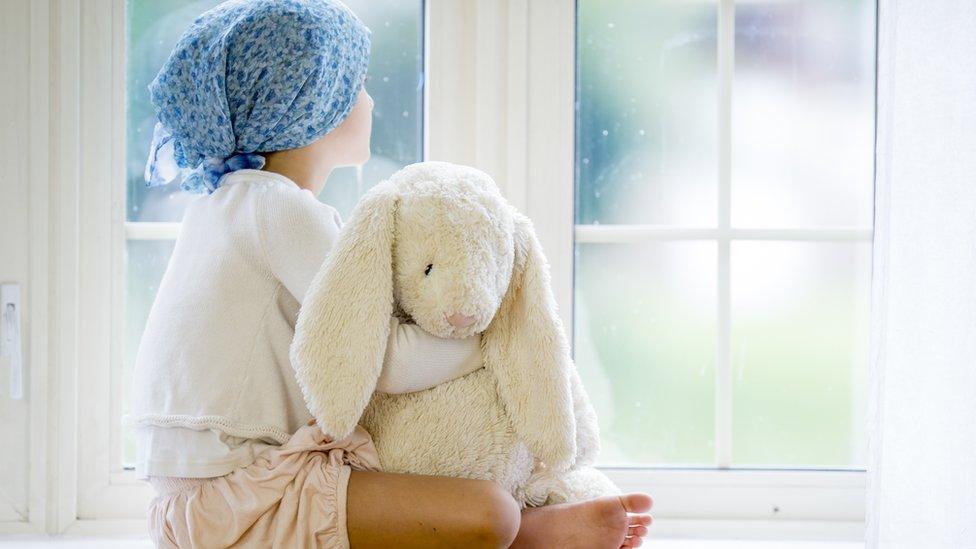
(406, 114)
(641, 132)
(605, 133)
(386, 78)
(586, 160)
(609, 25)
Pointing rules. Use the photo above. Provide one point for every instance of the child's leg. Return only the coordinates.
(389, 510)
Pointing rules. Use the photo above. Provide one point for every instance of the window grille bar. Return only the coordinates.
(142, 230)
(723, 365)
(645, 233)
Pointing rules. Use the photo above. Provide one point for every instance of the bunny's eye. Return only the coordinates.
(427, 270)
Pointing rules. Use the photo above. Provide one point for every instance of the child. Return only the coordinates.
(258, 103)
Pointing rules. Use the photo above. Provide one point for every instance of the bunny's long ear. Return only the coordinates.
(344, 323)
(587, 428)
(526, 349)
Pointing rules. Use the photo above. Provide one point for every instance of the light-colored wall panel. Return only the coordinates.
(14, 259)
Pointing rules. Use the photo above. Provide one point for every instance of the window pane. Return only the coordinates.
(396, 84)
(803, 113)
(145, 263)
(802, 157)
(799, 352)
(644, 341)
(396, 78)
(151, 30)
(646, 120)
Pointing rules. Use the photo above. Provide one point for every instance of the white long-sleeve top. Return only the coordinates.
(213, 384)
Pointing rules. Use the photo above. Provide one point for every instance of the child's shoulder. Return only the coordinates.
(281, 206)
(277, 195)
(254, 203)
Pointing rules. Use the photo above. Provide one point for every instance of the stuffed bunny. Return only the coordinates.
(435, 240)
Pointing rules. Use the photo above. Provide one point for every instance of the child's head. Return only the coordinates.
(257, 76)
(348, 144)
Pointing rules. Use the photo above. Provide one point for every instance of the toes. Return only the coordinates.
(638, 531)
(635, 541)
(636, 503)
(639, 520)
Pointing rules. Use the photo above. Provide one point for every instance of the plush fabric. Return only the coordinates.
(253, 76)
(438, 239)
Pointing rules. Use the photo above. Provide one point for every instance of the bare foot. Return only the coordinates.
(603, 523)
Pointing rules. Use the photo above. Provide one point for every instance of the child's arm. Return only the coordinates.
(297, 232)
(416, 360)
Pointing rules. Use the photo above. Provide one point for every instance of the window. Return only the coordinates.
(717, 274)
(723, 218)
(152, 215)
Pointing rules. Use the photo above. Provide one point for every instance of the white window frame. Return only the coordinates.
(501, 74)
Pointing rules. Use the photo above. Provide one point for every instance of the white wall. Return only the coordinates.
(14, 253)
(922, 485)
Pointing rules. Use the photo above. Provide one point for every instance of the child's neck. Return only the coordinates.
(307, 171)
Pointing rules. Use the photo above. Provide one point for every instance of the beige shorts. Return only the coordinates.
(293, 496)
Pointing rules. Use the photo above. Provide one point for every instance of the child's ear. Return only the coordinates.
(344, 323)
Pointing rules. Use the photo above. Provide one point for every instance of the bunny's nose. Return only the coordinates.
(460, 321)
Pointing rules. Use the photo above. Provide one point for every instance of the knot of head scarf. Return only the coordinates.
(253, 76)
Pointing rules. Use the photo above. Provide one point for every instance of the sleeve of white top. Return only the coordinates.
(297, 232)
(417, 360)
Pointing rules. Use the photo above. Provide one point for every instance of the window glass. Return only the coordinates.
(647, 126)
(646, 324)
(395, 83)
(145, 263)
(645, 343)
(803, 113)
(799, 346)
(152, 28)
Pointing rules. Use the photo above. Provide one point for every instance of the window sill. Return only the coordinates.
(41, 542)
(667, 533)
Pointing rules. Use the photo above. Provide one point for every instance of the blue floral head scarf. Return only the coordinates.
(253, 76)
